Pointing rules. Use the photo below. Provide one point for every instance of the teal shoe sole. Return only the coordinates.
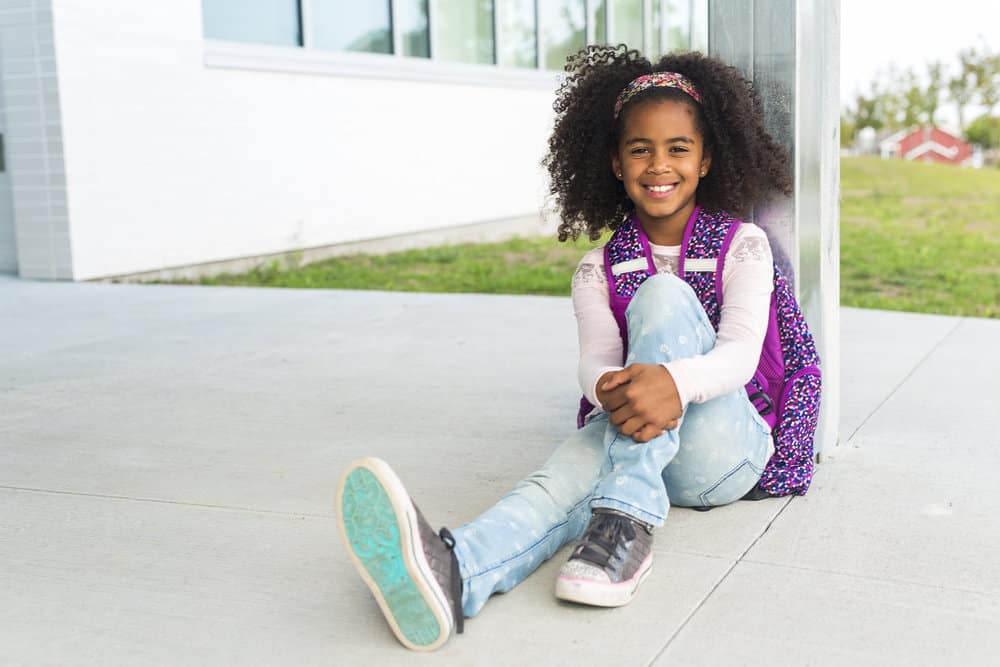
(375, 535)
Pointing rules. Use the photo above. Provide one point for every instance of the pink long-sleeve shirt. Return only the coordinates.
(747, 282)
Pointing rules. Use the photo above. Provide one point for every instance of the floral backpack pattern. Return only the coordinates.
(785, 388)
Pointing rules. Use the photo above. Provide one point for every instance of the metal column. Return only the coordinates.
(33, 141)
(8, 238)
(790, 49)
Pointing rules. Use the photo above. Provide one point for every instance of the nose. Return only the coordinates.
(659, 164)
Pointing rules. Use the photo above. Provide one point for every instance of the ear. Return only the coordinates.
(616, 166)
(706, 163)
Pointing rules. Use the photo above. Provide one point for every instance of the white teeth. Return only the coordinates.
(660, 188)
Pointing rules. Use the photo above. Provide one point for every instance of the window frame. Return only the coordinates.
(298, 60)
(307, 59)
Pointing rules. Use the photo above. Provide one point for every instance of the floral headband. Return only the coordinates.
(656, 80)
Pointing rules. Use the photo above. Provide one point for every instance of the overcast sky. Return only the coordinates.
(875, 33)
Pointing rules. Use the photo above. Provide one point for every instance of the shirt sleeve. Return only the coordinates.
(600, 343)
(747, 283)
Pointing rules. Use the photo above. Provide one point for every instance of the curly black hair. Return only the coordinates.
(747, 163)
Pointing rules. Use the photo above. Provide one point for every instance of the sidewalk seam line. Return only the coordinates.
(905, 378)
(161, 501)
(718, 583)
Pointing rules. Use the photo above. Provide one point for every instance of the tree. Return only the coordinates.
(987, 74)
(985, 131)
(867, 112)
(890, 100)
(962, 86)
(848, 130)
(984, 70)
(914, 100)
(901, 99)
(935, 86)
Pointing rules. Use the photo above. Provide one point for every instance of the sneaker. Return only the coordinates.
(411, 570)
(612, 559)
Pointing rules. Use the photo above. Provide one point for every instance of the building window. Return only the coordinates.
(654, 30)
(562, 30)
(347, 25)
(599, 21)
(625, 24)
(679, 21)
(521, 34)
(265, 21)
(413, 26)
(516, 30)
(462, 31)
(698, 36)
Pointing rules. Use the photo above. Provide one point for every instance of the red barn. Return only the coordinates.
(926, 144)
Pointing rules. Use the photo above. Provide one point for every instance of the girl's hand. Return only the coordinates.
(642, 400)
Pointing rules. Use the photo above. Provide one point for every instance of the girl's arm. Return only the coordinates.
(600, 343)
(747, 282)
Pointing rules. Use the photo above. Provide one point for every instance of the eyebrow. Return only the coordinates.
(635, 140)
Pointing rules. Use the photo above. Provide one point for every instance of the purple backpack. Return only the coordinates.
(785, 389)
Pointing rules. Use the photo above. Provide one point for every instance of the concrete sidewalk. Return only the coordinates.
(169, 457)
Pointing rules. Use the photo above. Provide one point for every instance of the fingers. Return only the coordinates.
(622, 406)
(616, 379)
(647, 433)
(615, 399)
(644, 432)
(636, 404)
(621, 415)
(632, 427)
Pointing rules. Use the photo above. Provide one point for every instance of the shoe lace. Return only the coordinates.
(607, 532)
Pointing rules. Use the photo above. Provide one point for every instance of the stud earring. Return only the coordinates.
(619, 174)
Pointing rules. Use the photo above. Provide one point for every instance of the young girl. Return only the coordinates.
(662, 154)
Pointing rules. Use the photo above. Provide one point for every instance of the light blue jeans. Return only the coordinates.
(715, 455)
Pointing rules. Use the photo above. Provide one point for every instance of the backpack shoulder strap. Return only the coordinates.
(627, 264)
(703, 251)
(627, 259)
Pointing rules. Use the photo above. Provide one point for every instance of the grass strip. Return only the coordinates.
(915, 237)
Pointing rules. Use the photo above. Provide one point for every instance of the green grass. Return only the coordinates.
(519, 266)
(920, 237)
(915, 237)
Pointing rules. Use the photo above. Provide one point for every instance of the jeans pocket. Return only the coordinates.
(733, 485)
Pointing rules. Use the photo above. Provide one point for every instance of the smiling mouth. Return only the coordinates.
(660, 190)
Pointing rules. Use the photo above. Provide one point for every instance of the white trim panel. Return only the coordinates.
(297, 60)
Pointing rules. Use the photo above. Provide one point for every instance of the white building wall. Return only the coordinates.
(170, 162)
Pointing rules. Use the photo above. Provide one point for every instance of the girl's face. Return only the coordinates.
(660, 158)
